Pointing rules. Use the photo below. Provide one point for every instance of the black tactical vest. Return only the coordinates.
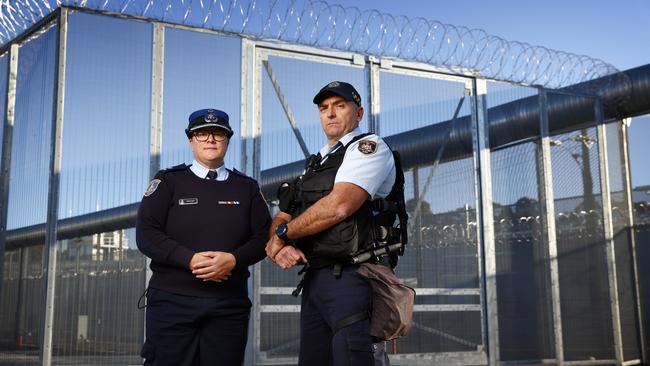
(339, 243)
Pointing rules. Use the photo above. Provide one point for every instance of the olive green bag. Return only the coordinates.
(392, 302)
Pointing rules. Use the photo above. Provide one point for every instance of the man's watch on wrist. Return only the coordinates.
(281, 231)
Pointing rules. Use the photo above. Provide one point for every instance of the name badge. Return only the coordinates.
(188, 201)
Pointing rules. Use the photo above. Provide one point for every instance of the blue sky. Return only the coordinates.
(613, 31)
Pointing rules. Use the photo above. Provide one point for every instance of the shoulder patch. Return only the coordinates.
(153, 185)
(367, 147)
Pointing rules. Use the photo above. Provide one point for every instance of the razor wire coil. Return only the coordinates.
(319, 24)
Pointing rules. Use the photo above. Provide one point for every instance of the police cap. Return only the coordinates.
(340, 88)
(208, 118)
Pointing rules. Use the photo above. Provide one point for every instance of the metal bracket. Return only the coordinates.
(386, 64)
(358, 60)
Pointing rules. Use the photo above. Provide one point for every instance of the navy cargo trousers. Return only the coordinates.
(326, 300)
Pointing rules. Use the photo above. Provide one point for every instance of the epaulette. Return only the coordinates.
(361, 137)
(235, 171)
(175, 168)
(367, 134)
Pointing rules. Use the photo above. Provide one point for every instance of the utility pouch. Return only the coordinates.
(287, 198)
(392, 302)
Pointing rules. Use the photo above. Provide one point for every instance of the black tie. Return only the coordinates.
(212, 175)
(334, 147)
(331, 150)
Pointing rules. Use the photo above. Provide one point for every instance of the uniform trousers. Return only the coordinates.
(195, 331)
(326, 300)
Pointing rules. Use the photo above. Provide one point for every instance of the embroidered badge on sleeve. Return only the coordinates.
(153, 185)
(367, 147)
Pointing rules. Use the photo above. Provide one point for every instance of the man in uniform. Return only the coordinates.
(332, 221)
(202, 225)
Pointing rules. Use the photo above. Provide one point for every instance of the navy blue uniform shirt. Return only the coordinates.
(182, 214)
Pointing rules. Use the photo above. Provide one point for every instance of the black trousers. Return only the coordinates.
(326, 300)
(195, 331)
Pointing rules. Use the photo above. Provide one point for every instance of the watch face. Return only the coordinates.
(281, 229)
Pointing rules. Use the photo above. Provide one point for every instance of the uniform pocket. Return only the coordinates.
(148, 351)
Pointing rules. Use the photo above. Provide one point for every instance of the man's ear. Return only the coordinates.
(360, 111)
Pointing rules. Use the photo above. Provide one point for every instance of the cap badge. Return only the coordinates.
(153, 185)
(367, 147)
(211, 117)
(333, 84)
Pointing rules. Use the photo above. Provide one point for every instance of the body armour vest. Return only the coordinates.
(339, 243)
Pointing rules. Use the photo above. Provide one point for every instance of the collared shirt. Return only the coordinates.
(374, 172)
(202, 172)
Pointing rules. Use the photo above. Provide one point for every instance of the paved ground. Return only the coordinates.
(8, 358)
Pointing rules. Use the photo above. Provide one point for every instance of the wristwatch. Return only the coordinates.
(281, 231)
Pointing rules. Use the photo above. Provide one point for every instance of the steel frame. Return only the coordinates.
(51, 244)
(157, 81)
(548, 210)
(5, 150)
(156, 116)
(609, 233)
(627, 183)
(483, 187)
(248, 143)
(374, 88)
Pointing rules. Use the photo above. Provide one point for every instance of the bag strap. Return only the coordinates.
(354, 318)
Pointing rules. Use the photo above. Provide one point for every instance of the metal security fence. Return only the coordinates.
(527, 239)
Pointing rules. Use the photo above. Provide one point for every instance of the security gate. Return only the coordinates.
(443, 259)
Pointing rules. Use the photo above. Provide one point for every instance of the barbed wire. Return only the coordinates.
(457, 49)
(449, 230)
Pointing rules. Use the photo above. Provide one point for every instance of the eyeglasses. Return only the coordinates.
(202, 136)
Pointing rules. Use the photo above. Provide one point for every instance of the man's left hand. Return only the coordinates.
(217, 268)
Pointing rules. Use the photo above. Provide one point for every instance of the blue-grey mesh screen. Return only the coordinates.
(105, 154)
(201, 71)
(99, 280)
(627, 296)
(299, 81)
(523, 282)
(31, 140)
(581, 248)
(23, 294)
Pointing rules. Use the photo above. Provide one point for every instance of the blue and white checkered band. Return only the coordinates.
(211, 117)
(333, 84)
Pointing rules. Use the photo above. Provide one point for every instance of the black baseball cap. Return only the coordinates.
(208, 118)
(340, 88)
